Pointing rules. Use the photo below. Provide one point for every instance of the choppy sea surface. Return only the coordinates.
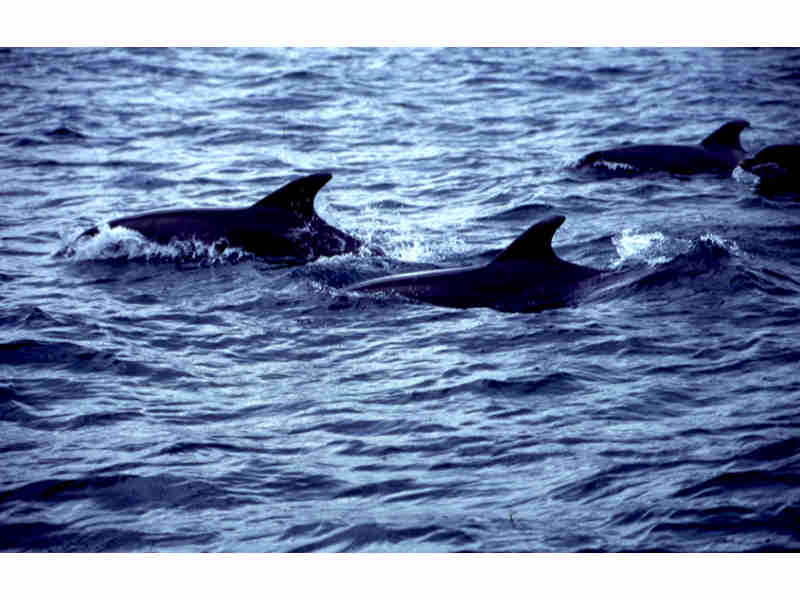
(180, 399)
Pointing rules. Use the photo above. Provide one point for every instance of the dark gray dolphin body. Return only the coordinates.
(776, 166)
(526, 277)
(283, 224)
(720, 152)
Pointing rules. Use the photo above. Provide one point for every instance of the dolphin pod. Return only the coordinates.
(282, 224)
(525, 277)
(720, 152)
(528, 276)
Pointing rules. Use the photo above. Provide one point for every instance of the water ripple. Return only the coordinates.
(179, 398)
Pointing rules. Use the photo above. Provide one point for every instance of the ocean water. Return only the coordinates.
(181, 399)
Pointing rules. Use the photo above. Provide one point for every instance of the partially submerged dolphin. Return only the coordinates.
(776, 166)
(720, 152)
(525, 277)
(283, 224)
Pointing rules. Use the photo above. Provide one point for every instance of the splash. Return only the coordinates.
(412, 245)
(728, 245)
(119, 243)
(409, 248)
(615, 166)
(654, 248)
(745, 177)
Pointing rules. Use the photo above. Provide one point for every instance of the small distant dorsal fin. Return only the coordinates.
(296, 196)
(727, 135)
(535, 243)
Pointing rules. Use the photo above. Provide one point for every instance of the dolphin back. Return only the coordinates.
(281, 224)
(784, 156)
(527, 276)
(535, 243)
(296, 196)
(719, 152)
(727, 136)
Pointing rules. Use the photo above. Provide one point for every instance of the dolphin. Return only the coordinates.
(282, 224)
(776, 166)
(525, 277)
(720, 152)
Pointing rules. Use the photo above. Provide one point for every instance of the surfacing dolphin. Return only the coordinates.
(525, 277)
(720, 152)
(776, 166)
(283, 224)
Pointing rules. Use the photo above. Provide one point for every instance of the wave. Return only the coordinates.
(655, 264)
(653, 247)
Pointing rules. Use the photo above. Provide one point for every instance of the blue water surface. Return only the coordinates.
(181, 398)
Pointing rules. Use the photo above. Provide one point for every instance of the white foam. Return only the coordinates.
(409, 248)
(742, 176)
(614, 166)
(122, 243)
(731, 246)
(653, 247)
(418, 247)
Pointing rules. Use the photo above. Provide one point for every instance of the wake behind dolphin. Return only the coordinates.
(282, 224)
(720, 152)
(526, 277)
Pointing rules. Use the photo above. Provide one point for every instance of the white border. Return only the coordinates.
(400, 23)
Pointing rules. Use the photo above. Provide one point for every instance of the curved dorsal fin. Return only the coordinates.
(727, 135)
(296, 196)
(535, 243)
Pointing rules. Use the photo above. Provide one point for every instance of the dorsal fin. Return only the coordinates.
(535, 243)
(727, 135)
(296, 196)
